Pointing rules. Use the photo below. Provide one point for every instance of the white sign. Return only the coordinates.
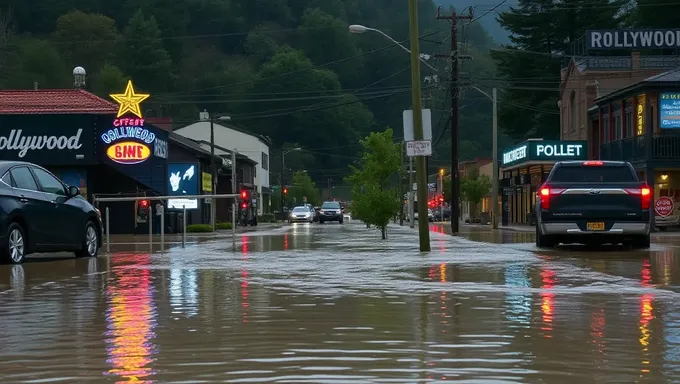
(408, 125)
(181, 203)
(414, 187)
(16, 142)
(568, 150)
(514, 155)
(160, 148)
(419, 148)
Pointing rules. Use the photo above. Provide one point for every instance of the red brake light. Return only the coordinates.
(545, 194)
(645, 194)
(593, 163)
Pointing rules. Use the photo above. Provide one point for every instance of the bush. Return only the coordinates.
(199, 228)
(266, 218)
(223, 226)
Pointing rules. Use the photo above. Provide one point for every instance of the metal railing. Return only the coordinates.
(162, 216)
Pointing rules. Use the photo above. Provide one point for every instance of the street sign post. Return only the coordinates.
(407, 118)
(419, 148)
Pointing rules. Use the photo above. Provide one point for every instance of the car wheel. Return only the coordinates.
(14, 250)
(90, 244)
(544, 241)
(641, 242)
(341, 221)
(320, 221)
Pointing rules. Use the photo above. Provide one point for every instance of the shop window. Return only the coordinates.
(49, 183)
(24, 179)
(618, 127)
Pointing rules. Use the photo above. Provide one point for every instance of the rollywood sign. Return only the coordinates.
(632, 39)
(17, 141)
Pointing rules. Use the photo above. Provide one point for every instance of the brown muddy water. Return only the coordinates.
(335, 304)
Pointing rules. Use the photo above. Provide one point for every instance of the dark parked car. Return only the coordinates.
(330, 211)
(39, 213)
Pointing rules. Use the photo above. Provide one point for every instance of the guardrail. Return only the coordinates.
(184, 215)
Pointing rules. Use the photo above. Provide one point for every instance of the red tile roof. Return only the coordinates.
(53, 101)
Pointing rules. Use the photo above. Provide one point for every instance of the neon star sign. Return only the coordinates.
(129, 101)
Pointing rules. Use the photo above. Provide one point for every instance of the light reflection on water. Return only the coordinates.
(518, 302)
(131, 320)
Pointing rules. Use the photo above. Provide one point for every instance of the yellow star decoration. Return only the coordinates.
(129, 101)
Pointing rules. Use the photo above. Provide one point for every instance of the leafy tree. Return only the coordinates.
(473, 187)
(87, 40)
(303, 186)
(375, 196)
(542, 31)
(36, 61)
(143, 56)
(109, 79)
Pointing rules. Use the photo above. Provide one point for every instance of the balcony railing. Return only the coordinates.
(665, 146)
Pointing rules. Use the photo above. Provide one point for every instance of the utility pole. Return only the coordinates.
(283, 169)
(421, 171)
(495, 208)
(401, 185)
(330, 194)
(455, 134)
(411, 211)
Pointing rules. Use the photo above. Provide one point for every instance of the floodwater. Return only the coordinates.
(335, 304)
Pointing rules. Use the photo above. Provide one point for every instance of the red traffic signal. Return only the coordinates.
(144, 203)
(244, 205)
(244, 194)
(285, 191)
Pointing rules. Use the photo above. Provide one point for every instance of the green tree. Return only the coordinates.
(376, 197)
(109, 79)
(473, 187)
(542, 32)
(36, 61)
(303, 186)
(87, 40)
(143, 56)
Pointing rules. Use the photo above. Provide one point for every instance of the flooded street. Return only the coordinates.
(335, 304)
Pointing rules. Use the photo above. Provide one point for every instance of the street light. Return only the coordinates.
(359, 29)
(283, 169)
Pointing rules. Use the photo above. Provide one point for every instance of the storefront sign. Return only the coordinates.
(206, 182)
(640, 115)
(545, 150)
(669, 110)
(183, 180)
(128, 152)
(632, 39)
(139, 133)
(17, 141)
(160, 148)
(663, 206)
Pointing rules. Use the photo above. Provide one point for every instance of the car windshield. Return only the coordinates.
(331, 205)
(594, 174)
(301, 209)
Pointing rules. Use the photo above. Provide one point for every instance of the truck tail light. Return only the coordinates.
(593, 163)
(546, 193)
(645, 194)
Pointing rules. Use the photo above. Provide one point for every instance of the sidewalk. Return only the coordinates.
(464, 227)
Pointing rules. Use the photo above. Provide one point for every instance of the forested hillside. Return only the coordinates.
(287, 69)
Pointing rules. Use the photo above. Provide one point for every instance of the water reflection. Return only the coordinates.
(547, 301)
(244, 280)
(131, 320)
(518, 302)
(184, 291)
(646, 315)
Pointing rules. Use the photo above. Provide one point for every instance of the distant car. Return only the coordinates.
(330, 211)
(301, 213)
(593, 202)
(39, 213)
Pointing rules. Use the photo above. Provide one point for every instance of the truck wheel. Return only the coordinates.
(641, 242)
(544, 241)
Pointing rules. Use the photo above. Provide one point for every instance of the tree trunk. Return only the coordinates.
(383, 231)
(368, 225)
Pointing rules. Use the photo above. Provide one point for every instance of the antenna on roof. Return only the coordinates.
(79, 77)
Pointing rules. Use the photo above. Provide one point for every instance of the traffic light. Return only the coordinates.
(244, 205)
(244, 194)
(143, 211)
(285, 191)
(144, 204)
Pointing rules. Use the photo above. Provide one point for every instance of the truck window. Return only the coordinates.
(588, 174)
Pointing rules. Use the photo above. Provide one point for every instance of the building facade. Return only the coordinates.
(525, 167)
(648, 137)
(587, 78)
(231, 138)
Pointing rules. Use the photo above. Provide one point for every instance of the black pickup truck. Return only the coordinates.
(593, 203)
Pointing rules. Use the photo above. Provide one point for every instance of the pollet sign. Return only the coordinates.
(17, 141)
